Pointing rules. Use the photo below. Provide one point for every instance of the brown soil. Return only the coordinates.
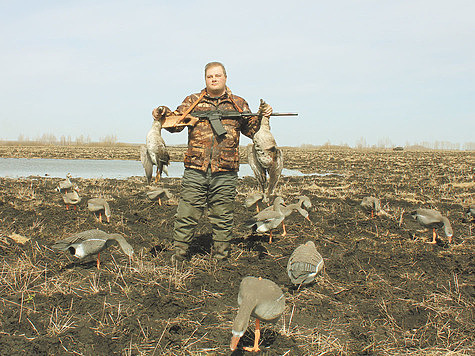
(384, 290)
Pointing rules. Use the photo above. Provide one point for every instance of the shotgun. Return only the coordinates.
(214, 117)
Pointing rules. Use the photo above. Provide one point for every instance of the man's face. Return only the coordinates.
(215, 81)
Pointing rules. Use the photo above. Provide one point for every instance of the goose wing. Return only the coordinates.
(275, 171)
(71, 197)
(304, 263)
(79, 237)
(259, 171)
(264, 147)
(427, 217)
(146, 163)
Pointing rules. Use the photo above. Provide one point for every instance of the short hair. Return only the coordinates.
(215, 64)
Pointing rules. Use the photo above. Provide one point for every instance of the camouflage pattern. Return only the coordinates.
(198, 191)
(205, 149)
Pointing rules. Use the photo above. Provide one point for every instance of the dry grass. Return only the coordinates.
(381, 292)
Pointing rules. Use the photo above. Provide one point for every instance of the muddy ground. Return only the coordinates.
(384, 290)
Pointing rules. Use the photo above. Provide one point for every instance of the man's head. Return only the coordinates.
(215, 77)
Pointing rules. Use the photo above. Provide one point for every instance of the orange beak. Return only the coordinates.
(234, 342)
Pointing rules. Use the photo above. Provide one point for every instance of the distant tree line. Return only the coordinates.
(50, 139)
(111, 140)
(386, 143)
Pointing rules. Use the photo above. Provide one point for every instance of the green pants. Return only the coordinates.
(200, 190)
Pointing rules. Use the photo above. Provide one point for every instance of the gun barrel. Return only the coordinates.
(284, 114)
(273, 114)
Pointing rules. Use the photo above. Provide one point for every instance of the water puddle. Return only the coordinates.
(91, 168)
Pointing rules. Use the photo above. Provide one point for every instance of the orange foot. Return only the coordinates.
(252, 349)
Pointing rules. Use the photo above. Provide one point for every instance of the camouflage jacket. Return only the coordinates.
(204, 147)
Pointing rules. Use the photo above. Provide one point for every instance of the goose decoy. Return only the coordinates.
(290, 208)
(260, 298)
(99, 205)
(470, 212)
(302, 206)
(269, 218)
(155, 152)
(433, 219)
(373, 205)
(91, 242)
(305, 201)
(265, 158)
(65, 185)
(159, 194)
(304, 264)
(71, 198)
(255, 198)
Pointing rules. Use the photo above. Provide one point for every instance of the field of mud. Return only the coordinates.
(384, 289)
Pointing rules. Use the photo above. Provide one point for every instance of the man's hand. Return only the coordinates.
(264, 109)
(160, 112)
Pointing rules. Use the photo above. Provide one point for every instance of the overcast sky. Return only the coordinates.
(397, 70)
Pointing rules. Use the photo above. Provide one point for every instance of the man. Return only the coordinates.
(211, 162)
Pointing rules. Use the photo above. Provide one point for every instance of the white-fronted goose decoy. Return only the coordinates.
(290, 208)
(304, 264)
(255, 198)
(302, 206)
(71, 197)
(65, 185)
(155, 152)
(91, 242)
(159, 194)
(265, 157)
(373, 205)
(470, 212)
(430, 218)
(269, 218)
(99, 206)
(260, 298)
(305, 201)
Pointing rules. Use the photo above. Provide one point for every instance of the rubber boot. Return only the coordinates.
(181, 252)
(221, 250)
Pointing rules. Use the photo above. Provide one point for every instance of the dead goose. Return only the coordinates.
(159, 194)
(304, 264)
(91, 242)
(269, 218)
(260, 298)
(265, 157)
(99, 206)
(433, 219)
(373, 205)
(155, 152)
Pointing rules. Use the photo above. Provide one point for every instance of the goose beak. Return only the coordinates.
(234, 342)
